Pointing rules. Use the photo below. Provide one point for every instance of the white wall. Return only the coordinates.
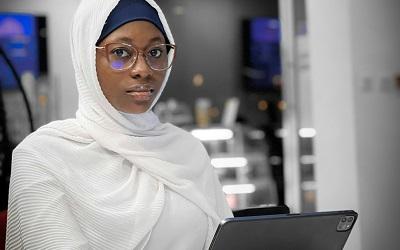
(59, 15)
(354, 55)
(376, 53)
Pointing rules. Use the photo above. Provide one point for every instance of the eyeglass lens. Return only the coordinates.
(122, 56)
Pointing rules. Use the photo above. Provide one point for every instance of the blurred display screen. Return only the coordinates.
(262, 63)
(19, 40)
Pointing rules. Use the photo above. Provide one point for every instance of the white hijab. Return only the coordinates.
(168, 154)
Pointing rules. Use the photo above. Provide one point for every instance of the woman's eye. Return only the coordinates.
(121, 52)
(156, 52)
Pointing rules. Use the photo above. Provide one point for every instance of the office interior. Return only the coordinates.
(296, 101)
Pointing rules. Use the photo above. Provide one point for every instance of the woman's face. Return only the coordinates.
(132, 90)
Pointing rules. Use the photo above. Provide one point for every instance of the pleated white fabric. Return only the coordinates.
(102, 181)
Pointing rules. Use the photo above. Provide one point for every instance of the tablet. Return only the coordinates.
(310, 231)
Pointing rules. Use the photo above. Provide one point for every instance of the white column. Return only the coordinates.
(290, 121)
(354, 56)
(333, 108)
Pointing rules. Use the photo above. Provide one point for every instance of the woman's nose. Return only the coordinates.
(141, 69)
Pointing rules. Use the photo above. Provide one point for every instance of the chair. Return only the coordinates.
(3, 227)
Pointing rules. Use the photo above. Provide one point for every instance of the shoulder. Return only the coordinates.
(185, 139)
(54, 138)
(50, 149)
(68, 129)
(182, 135)
(180, 131)
(57, 131)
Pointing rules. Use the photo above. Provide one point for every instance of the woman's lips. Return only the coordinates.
(141, 92)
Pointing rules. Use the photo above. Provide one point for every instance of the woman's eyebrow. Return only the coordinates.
(131, 41)
(124, 39)
(156, 39)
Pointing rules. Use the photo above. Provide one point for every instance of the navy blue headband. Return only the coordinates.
(131, 10)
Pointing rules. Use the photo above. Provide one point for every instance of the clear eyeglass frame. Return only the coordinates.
(133, 59)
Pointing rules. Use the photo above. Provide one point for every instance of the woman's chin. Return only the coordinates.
(136, 109)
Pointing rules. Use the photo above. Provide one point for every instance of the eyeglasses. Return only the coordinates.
(122, 56)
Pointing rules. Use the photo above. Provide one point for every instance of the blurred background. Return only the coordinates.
(296, 101)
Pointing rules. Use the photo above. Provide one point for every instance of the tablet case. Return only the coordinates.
(262, 210)
(308, 231)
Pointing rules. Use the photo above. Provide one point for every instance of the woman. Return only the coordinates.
(115, 177)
